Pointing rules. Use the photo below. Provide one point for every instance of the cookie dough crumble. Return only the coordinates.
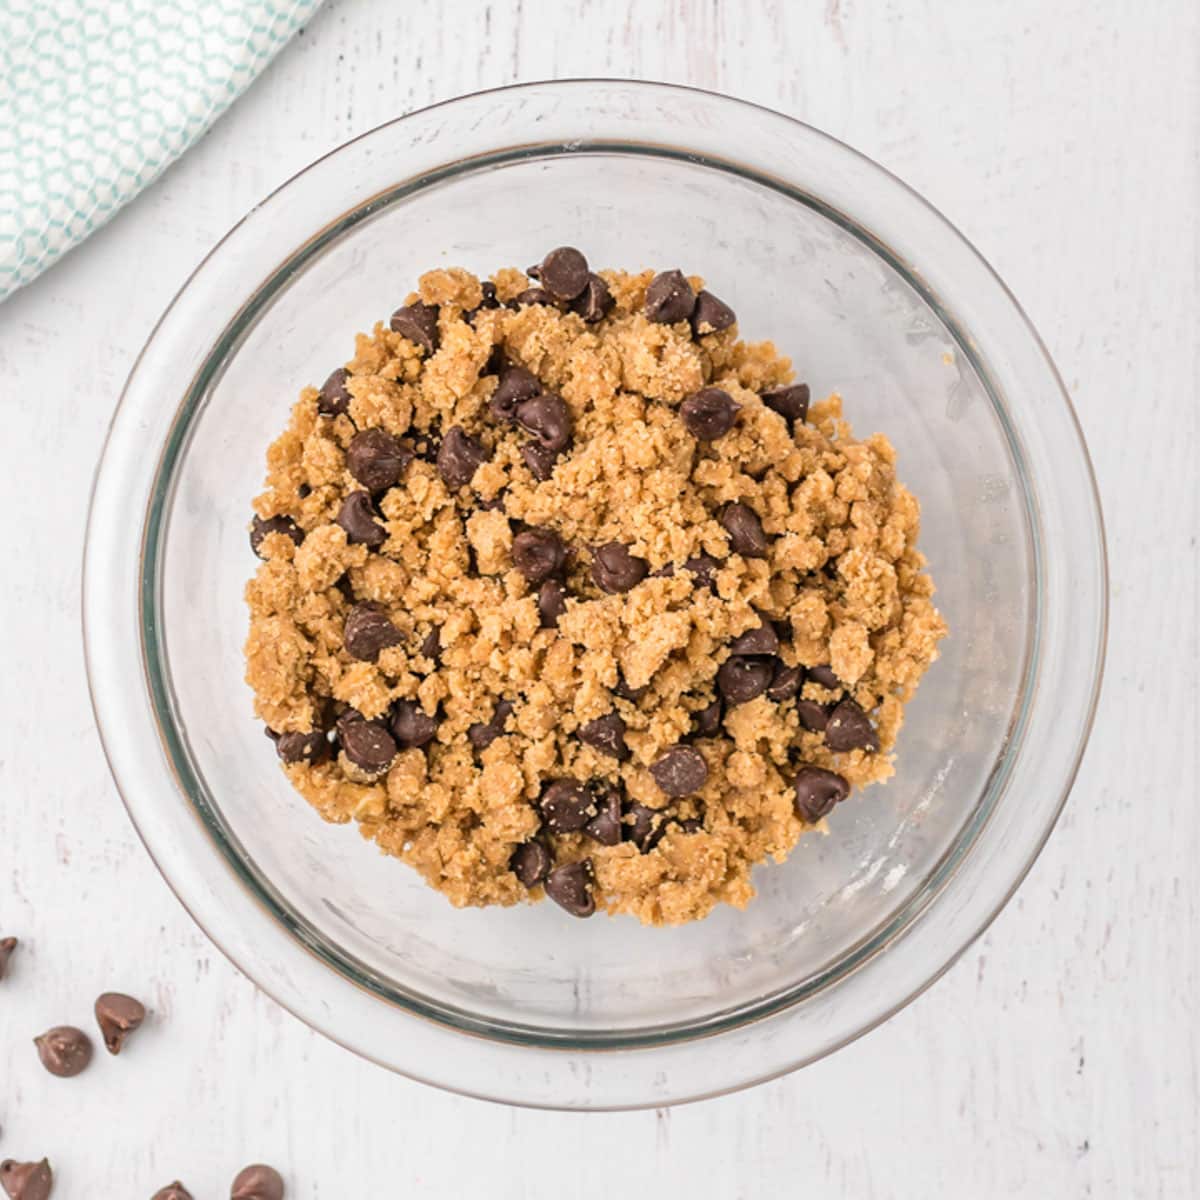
(566, 590)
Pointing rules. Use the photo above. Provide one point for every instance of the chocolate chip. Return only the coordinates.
(7, 946)
(533, 295)
(257, 1182)
(173, 1191)
(551, 602)
(302, 747)
(704, 567)
(64, 1050)
(411, 725)
(538, 554)
(334, 398)
(606, 734)
(497, 361)
(359, 517)
(501, 713)
(632, 694)
(614, 569)
(566, 806)
(481, 735)
(303, 491)
(706, 722)
(570, 887)
(761, 641)
(711, 315)
(790, 402)
(850, 728)
(564, 272)
(26, 1180)
(817, 791)
(431, 647)
(669, 298)
(488, 288)
(605, 826)
(595, 301)
(367, 744)
(327, 712)
(746, 536)
(419, 323)
(741, 679)
(530, 863)
(646, 828)
(690, 825)
(548, 418)
(539, 460)
(376, 459)
(813, 716)
(824, 676)
(460, 457)
(118, 1016)
(709, 413)
(313, 747)
(368, 631)
(681, 771)
(261, 529)
(515, 386)
(785, 683)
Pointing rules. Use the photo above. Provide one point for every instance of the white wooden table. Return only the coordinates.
(1061, 1057)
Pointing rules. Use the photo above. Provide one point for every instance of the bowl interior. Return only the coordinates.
(853, 322)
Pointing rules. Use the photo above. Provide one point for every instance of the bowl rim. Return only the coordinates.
(589, 1046)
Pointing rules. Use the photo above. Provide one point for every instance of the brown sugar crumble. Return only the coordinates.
(567, 590)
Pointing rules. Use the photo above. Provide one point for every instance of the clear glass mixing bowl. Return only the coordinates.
(874, 295)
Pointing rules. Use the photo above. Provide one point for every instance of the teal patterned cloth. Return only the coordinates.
(98, 96)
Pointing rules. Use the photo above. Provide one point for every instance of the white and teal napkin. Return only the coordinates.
(98, 96)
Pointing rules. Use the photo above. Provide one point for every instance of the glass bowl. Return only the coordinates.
(873, 294)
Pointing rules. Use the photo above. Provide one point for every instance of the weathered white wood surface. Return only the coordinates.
(1061, 1057)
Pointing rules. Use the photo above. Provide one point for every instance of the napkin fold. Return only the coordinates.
(97, 97)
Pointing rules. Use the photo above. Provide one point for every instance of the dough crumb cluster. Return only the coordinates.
(566, 590)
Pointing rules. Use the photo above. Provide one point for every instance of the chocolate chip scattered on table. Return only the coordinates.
(64, 1050)
(568, 591)
(118, 1016)
(173, 1191)
(7, 946)
(257, 1182)
(26, 1180)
